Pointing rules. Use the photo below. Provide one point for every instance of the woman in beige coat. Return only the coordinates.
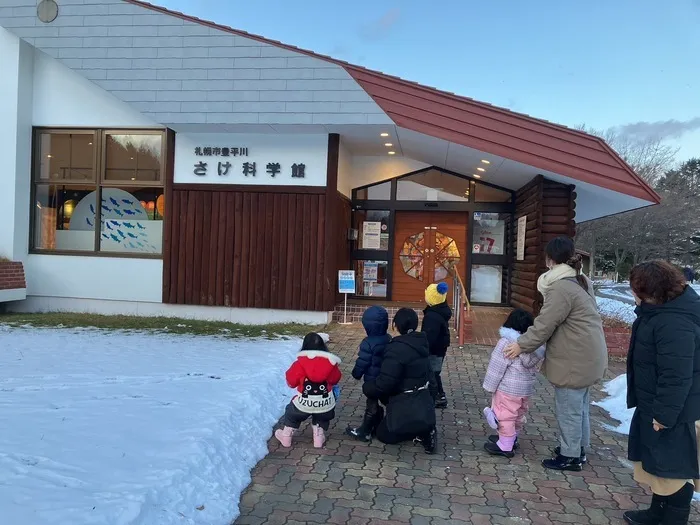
(576, 355)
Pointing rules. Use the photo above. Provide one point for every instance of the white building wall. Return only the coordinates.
(15, 137)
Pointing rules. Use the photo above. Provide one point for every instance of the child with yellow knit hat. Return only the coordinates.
(436, 318)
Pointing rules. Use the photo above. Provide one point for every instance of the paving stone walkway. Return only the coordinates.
(350, 483)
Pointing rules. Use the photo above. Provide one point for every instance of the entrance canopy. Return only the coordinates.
(196, 76)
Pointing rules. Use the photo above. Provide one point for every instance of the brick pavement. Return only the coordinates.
(352, 483)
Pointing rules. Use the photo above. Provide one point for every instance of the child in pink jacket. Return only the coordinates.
(511, 382)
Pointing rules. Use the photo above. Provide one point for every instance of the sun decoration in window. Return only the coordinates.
(446, 256)
(411, 255)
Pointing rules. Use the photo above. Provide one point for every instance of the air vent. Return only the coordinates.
(47, 11)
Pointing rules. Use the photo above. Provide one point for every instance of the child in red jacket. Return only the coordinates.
(314, 374)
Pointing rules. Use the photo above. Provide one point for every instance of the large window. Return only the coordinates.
(98, 191)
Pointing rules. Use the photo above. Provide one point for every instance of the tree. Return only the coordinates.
(632, 237)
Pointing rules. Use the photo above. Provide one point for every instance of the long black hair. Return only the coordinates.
(562, 250)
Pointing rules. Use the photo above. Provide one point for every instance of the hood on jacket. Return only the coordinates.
(375, 321)
(686, 304)
(416, 340)
(509, 333)
(442, 309)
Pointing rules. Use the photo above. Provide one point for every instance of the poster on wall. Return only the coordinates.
(371, 235)
(489, 234)
(522, 228)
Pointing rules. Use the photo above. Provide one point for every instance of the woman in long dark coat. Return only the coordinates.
(663, 385)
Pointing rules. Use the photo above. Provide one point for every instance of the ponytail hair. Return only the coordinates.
(562, 250)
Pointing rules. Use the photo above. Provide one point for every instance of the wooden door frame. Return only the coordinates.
(393, 206)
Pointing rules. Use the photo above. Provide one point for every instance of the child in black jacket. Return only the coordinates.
(369, 361)
(436, 318)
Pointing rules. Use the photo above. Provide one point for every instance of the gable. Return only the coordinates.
(180, 72)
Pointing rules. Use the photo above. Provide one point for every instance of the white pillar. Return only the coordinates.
(16, 89)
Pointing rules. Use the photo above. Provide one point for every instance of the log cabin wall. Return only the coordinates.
(274, 247)
(550, 210)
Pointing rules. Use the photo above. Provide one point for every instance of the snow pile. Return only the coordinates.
(614, 292)
(133, 429)
(616, 404)
(616, 310)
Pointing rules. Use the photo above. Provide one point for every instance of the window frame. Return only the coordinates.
(99, 182)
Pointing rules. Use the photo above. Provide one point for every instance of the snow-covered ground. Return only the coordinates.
(616, 406)
(616, 309)
(133, 429)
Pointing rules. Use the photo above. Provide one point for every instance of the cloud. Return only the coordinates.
(380, 27)
(662, 129)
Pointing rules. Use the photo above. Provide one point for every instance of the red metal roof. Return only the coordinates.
(478, 125)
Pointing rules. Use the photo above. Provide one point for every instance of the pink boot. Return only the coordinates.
(284, 436)
(319, 436)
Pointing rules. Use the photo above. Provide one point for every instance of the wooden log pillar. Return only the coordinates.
(550, 210)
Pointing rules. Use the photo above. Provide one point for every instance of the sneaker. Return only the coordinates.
(441, 401)
(495, 450)
(359, 434)
(563, 463)
(584, 458)
(284, 436)
(494, 439)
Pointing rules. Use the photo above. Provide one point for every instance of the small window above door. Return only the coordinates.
(433, 185)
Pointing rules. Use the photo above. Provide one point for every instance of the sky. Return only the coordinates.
(629, 64)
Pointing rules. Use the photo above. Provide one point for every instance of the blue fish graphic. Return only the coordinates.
(130, 212)
(108, 226)
(121, 234)
(115, 238)
(140, 227)
(139, 243)
(132, 235)
(105, 236)
(105, 208)
(127, 201)
(129, 225)
(88, 221)
(119, 213)
(92, 209)
(114, 202)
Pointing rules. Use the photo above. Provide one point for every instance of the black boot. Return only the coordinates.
(441, 401)
(365, 430)
(494, 439)
(651, 516)
(429, 441)
(584, 458)
(563, 463)
(677, 508)
(495, 450)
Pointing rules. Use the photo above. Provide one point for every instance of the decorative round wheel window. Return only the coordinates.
(446, 256)
(411, 255)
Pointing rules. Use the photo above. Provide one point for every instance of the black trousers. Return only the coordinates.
(293, 417)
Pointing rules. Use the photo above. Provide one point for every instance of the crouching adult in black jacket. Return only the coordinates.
(402, 385)
(663, 385)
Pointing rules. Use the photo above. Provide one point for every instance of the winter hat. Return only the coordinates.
(436, 294)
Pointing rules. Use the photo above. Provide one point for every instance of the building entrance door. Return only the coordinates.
(427, 247)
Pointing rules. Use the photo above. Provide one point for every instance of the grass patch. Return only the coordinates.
(169, 325)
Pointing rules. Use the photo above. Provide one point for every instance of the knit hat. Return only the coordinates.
(436, 294)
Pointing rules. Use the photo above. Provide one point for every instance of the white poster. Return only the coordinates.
(371, 235)
(489, 235)
(370, 272)
(486, 284)
(522, 227)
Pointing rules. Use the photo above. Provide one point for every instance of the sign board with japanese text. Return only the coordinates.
(346, 281)
(520, 248)
(254, 159)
